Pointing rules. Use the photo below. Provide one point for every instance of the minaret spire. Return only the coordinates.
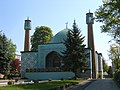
(27, 18)
(27, 28)
(89, 10)
(90, 22)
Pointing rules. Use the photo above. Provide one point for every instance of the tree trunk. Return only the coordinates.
(75, 75)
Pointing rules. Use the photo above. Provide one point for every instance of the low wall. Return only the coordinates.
(49, 75)
(85, 75)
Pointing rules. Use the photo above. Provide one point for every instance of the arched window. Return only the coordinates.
(53, 59)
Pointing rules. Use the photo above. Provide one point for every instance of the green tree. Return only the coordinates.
(114, 55)
(110, 71)
(74, 56)
(109, 15)
(42, 35)
(7, 53)
(105, 66)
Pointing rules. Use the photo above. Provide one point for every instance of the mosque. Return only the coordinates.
(44, 64)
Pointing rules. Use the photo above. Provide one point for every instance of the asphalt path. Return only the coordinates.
(81, 85)
(105, 84)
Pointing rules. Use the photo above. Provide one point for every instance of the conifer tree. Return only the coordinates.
(74, 56)
(7, 53)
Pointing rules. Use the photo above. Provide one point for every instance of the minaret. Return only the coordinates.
(27, 28)
(90, 22)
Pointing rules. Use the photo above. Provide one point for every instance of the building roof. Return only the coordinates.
(60, 37)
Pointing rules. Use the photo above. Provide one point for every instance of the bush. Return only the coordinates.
(10, 82)
(100, 76)
(9, 76)
(117, 76)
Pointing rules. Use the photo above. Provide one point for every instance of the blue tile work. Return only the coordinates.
(44, 50)
(28, 60)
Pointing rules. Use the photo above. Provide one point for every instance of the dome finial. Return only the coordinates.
(66, 25)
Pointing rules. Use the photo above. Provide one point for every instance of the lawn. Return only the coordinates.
(38, 86)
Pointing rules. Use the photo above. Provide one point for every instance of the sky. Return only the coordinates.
(51, 13)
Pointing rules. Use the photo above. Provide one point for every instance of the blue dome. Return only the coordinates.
(60, 36)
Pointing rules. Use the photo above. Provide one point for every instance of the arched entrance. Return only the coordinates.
(53, 59)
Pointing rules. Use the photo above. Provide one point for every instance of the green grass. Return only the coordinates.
(38, 86)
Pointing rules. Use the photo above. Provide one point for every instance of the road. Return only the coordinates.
(105, 84)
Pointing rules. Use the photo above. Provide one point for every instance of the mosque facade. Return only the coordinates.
(44, 64)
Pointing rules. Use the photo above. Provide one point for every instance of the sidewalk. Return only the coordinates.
(106, 84)
(81, 85)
